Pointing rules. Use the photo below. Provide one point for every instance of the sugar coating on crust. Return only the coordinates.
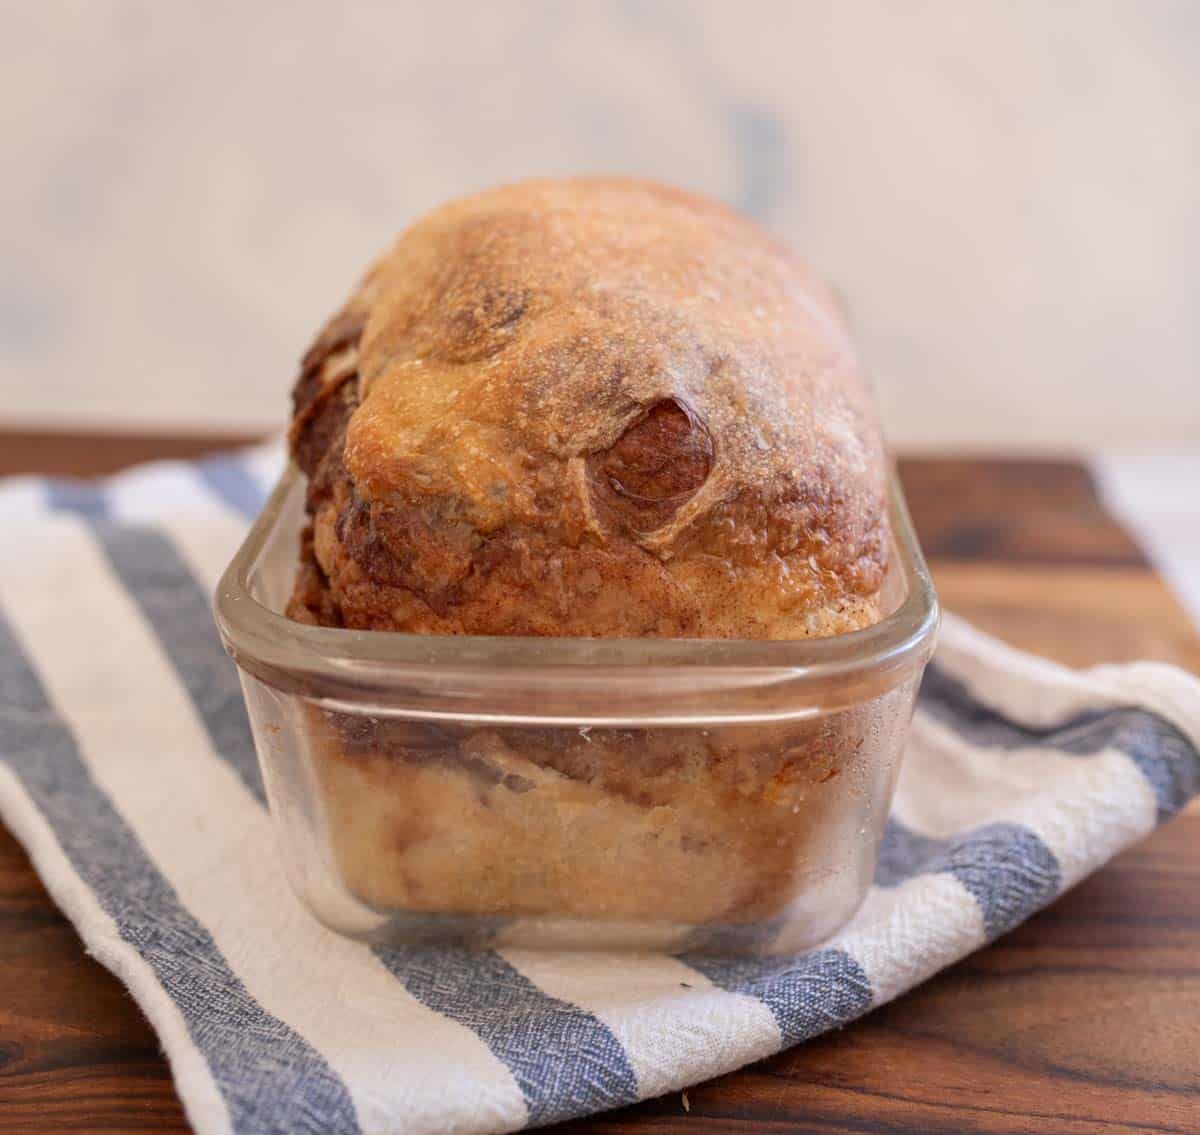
(589, 407)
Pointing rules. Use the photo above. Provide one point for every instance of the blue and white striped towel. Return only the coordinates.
(127, 770)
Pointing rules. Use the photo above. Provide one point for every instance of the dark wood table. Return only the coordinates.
(1086, 1019)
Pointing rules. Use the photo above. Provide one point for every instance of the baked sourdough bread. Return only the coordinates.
(590, 408)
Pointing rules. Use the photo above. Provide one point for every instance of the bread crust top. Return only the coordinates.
(593, 407)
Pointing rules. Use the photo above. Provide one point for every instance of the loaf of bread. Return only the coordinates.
(589, 408)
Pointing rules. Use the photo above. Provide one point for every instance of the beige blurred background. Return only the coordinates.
(1007, 192)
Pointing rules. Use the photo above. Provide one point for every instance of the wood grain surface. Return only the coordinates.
(1085, 1019)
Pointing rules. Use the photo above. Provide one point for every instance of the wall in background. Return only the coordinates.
(1006, 192)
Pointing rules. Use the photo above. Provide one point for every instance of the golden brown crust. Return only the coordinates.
(589, 407)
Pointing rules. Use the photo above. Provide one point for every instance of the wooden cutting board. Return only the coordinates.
(1086, 1019)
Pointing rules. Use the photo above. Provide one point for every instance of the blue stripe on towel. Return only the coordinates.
(84, 498)
(1166, 757)
(1006, 867)
(519, 1023)
(230, 480)
(271, 1078)
(566, 1061)
(177, 608)
(807, 995)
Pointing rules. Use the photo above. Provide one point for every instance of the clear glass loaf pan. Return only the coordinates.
(680, 795)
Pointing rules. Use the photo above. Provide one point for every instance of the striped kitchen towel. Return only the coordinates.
(128, 772)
